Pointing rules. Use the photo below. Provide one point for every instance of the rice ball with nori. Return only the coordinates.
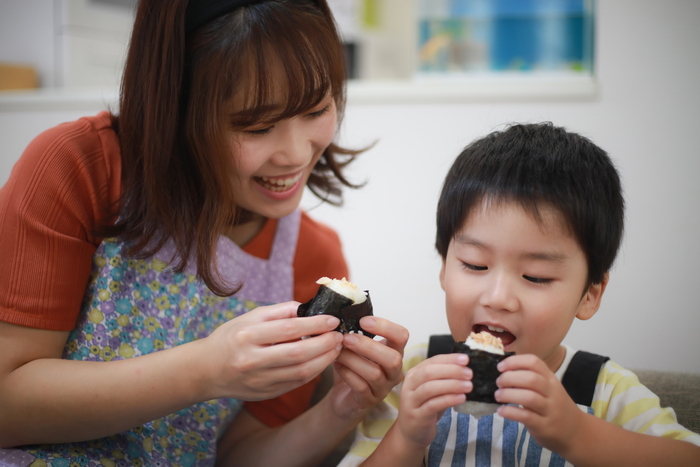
(484, 351)
(342, 299)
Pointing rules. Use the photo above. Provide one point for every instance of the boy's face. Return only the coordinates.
(520, 279)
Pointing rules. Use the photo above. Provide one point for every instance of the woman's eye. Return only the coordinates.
(318, 113)
(473, 267)
(537, 280)
(260, 131)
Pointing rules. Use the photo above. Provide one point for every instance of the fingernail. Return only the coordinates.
(368, 321)
(339, 347)
(468, 373)
(500, 366)
(338, 338)
(462, 359)
(468, 386)
(351, 339)
(333, 321)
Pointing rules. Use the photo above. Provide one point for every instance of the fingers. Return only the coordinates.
(441, 403)
(363, 376)
(279, 380)
(515, 413)
(525, 381)
(524, 372)
(300, 351)
(273, 312)
(438, 383)
(395, 334)
(439, 368)
(353, 380)
(523, 362)
(387, 359)
(526, 398)
(274, 326)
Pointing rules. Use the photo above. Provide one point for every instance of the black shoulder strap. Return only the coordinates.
(439, 344)
(581, 376)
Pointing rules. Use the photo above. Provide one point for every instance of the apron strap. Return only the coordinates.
(284, 245)
(581, 376)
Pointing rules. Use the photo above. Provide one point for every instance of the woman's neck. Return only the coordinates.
(245, 231)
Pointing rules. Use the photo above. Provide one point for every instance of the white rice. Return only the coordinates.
(477, 409)
(345, 288)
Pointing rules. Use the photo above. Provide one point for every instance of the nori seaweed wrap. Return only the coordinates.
(347, 309)
(483, 364)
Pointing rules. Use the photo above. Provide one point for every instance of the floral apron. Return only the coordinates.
(135, 307)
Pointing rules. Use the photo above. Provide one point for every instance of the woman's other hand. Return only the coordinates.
(366, 369)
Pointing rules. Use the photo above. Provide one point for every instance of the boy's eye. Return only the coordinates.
(473, 267)
(537, 280)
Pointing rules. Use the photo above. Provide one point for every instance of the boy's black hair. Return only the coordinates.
(533, 164)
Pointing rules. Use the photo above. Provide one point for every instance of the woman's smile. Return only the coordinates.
(279, 184)
(280, 188)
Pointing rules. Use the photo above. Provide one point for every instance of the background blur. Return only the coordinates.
(427, 86)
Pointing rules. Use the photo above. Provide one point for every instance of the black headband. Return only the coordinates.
(202, 11)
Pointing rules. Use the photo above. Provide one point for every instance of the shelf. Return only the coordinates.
(421, 90)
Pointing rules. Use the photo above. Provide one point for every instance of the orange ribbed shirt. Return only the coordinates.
(59, 187)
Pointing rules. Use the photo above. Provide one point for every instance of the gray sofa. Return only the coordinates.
(675, 389)
(678, 390)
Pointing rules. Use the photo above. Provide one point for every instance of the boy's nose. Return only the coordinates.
(499, 294)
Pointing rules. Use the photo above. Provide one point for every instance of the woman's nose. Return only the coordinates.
(499, 293)
(293, 146)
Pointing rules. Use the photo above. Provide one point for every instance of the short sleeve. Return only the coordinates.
(621, 399)
(65, 180)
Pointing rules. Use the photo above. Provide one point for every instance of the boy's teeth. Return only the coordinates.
(495, 329)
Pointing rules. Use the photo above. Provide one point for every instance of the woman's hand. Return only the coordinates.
(430, 388)
(550, 415)
(261, 354)
(366, 369)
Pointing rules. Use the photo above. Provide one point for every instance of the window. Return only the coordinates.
(505, 36)
(407, 50)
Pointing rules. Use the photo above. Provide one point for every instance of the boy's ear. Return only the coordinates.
(442, 275)
(591, 300)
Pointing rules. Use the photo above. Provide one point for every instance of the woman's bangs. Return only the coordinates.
(290, 70)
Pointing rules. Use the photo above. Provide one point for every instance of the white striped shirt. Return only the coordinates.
(462, 440)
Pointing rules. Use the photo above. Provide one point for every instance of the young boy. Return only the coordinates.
(528, 225)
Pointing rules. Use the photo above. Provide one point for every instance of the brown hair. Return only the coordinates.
(174, 113)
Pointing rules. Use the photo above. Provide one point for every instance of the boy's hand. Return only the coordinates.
(549, 414)
(428, 390)
(366, 369)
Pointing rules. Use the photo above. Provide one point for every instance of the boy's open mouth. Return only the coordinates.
(505, 336)
(278, 184)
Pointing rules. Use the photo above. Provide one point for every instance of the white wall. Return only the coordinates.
(40, 51)
(645, 116)
(69, 42)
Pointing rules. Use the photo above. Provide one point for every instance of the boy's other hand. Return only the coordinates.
(430, 388)
(549, 414)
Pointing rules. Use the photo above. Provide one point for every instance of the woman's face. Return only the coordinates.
(274, 160)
